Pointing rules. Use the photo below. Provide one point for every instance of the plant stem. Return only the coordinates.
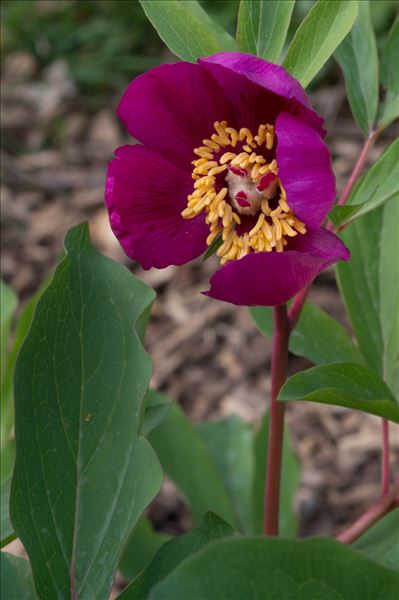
(297, 305)
(276, 420)
(371, 516)
(368, 144)
(385, 458)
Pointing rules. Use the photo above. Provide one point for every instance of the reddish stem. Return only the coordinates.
(276, 420)
(371, 516)
(385, 458)
(368, 144)
(296, 307)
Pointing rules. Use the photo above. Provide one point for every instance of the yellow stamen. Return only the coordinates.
(275, 223)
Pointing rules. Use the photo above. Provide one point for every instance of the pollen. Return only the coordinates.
(237, 188)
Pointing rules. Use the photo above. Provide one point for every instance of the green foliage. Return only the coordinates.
(156, 407)
(230, 446)
(266, 569)
(357, 56)
(186, 28)
(7, 530)
(11, 348)
(344, 384)
(323, 29)
(105, 43)
(380, 184)
(290, 478)
(262, 27)
(317, 336)
(80, 379)
(381, 541)
(220, 466)
(369, 283)
(187, 462)
(390, 77)
(143, 544)
(173, 553)
(16, 578)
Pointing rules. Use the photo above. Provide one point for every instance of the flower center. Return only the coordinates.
(238, 188)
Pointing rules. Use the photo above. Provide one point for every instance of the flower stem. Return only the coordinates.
(385, 458)
(297, 305)
(368, 144)
(371, 516)
(276, 420)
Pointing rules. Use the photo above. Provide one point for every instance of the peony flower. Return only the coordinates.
(231, 156)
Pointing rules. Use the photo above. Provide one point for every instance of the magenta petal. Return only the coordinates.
(145, 194)
(304, 167)
(271, 78)
(172, 108)
(270, 278)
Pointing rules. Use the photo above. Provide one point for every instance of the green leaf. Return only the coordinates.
(156, 408)
(16, 578)
(82, 474)
(262, 27)
(389, 110)
(381, 542)
(343, 384)
(7, 397)
(8, 303)
(186, 461)
(141, 548)
(379, 185)
(7, 458)
(324, 28)
(173, 553)
(317, 335)
(7, 530)
(357, 56)
(290, 478)
(186, 28)
(230, 446)
(214, 247)
(270, 569)
(369, 284)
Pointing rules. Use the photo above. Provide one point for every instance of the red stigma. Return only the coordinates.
(265, 181)
(238, 171)
(241, 199)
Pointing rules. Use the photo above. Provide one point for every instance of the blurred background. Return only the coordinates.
(65, 64)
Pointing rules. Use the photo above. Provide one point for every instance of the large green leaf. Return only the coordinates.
(380, 184)
(343, 384)
(82, 475)
(143, 544)
(324, 28)
(262, 27)
(16, 578)
(316, 335)
(173, 553)
(290, 478)
(186, 460)
(230, 445)
(381, 542)
(369, 284)
(270, 569)
(186, 28)
(390, 77)
(357, 56)
(7, 530)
